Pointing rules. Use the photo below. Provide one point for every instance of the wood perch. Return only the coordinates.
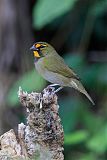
(43, 137)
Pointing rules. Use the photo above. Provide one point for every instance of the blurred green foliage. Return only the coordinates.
(98, 142)
(55, 8)
(85, 126)
(99, 7)
(29, 82)
(76, 137)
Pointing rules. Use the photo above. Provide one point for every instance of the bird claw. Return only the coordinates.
(52, 89)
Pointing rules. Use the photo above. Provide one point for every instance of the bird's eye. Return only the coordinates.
(42, 46)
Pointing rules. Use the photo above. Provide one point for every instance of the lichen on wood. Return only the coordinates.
(42, 137)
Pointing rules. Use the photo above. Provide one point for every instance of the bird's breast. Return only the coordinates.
(50, 76)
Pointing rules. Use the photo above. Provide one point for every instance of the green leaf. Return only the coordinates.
(30, 81)
(74, 61)
(76, 137)
(98, 143)
(46, 11)
(68, 113)
(88, 156)
(99, 8)
(94, 77)
(102, 76)
(87, 118)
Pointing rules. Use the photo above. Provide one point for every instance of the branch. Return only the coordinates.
(43, 135)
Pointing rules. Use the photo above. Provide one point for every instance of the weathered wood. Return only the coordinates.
(43, 136)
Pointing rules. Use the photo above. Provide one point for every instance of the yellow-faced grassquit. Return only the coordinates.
(53, 68)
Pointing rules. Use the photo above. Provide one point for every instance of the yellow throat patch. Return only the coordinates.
(36, 54)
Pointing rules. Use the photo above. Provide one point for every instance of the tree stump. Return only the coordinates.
(42, 137)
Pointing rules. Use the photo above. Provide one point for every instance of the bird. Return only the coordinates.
(51, 66)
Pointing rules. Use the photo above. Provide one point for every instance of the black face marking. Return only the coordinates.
(39, 46)
(42, 46)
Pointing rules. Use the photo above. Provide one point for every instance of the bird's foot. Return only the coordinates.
(51, 89)
(57, 90)
(53, 85)
(48, 90)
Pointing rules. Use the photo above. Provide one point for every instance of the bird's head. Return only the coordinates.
(41, 49)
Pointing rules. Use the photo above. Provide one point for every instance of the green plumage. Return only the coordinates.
(59, 67)
(53, 68)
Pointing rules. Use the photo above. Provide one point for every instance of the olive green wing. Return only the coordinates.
(57, 65)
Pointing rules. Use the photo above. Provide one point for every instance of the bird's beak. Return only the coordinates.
(33, 48)
(35, 51)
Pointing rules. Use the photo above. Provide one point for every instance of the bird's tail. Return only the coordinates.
(78, 86)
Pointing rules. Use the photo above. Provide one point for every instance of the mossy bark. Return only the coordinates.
(43, 136)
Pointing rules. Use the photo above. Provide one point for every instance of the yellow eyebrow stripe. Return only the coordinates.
(38, 45)
(36, 54)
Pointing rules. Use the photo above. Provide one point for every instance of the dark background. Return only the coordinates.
(78, 31)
